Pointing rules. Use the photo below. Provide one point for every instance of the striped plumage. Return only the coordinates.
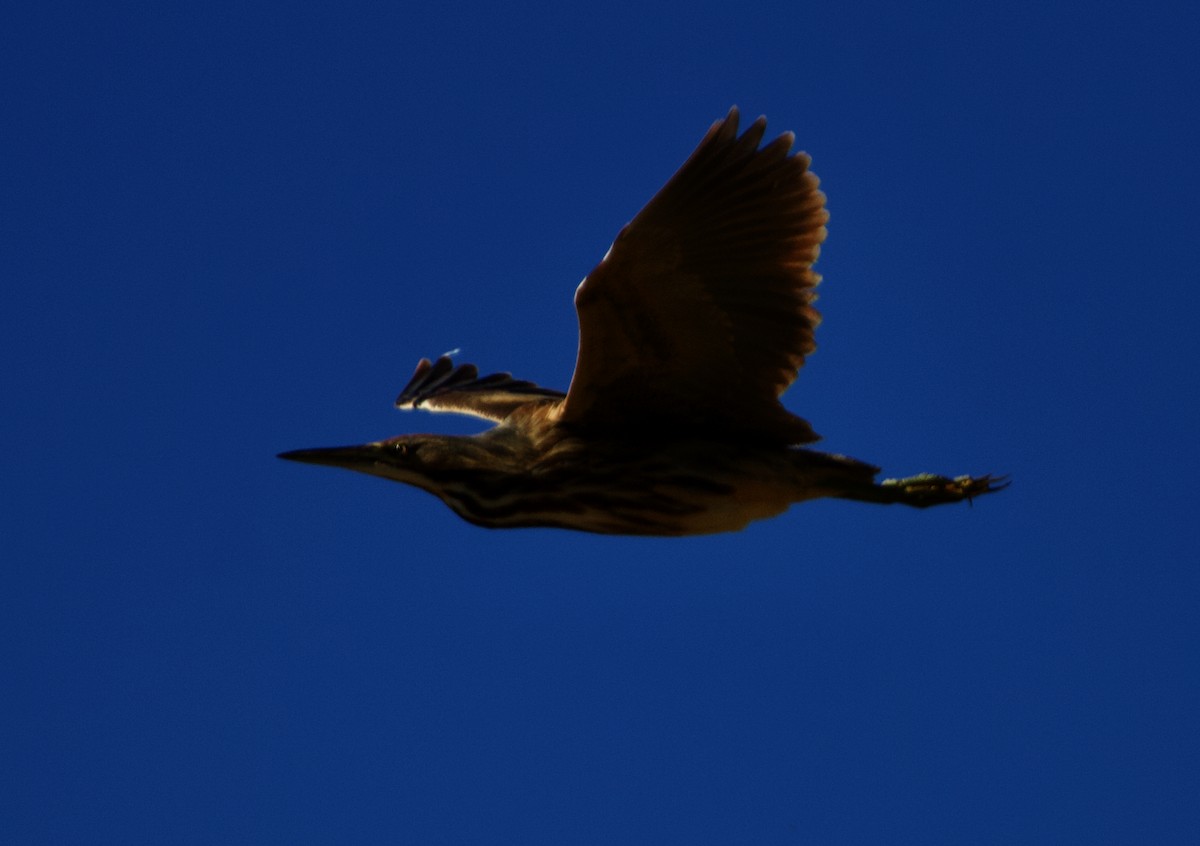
(691, 327)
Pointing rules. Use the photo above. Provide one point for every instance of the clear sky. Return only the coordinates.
(231, 229)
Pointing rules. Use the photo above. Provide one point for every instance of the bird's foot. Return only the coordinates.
(926, 489)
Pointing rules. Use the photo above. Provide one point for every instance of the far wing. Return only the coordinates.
(440, 386)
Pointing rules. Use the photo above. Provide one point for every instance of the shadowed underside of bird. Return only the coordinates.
(690, 328)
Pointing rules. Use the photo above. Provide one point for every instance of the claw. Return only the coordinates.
(928, 489)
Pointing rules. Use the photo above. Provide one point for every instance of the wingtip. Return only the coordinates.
(727, 127)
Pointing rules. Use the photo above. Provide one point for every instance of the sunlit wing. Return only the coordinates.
(701, 313)
(441, 386)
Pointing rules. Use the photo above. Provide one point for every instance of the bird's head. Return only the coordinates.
(430, 462)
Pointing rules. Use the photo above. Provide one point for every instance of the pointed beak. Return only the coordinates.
(361, 457)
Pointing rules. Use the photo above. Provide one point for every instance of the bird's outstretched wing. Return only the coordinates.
(700, 315)
(440, 386)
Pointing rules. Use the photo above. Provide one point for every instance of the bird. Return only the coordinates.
(691, 327)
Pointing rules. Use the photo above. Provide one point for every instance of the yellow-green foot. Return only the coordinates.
(926, 489)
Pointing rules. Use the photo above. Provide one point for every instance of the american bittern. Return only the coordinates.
(690, 329)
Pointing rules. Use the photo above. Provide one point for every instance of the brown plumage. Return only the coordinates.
(691, 327)
(729, 242)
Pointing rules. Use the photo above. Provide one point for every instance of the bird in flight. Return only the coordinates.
(691, 327)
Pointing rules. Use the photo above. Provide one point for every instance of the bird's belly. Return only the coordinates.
(680, 505)
(732, 513)
(677, 488)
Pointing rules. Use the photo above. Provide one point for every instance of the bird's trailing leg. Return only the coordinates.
(926, 489)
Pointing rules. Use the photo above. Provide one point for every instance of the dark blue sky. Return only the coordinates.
(231, 229)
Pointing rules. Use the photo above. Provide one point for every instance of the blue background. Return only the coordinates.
(231, 229)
